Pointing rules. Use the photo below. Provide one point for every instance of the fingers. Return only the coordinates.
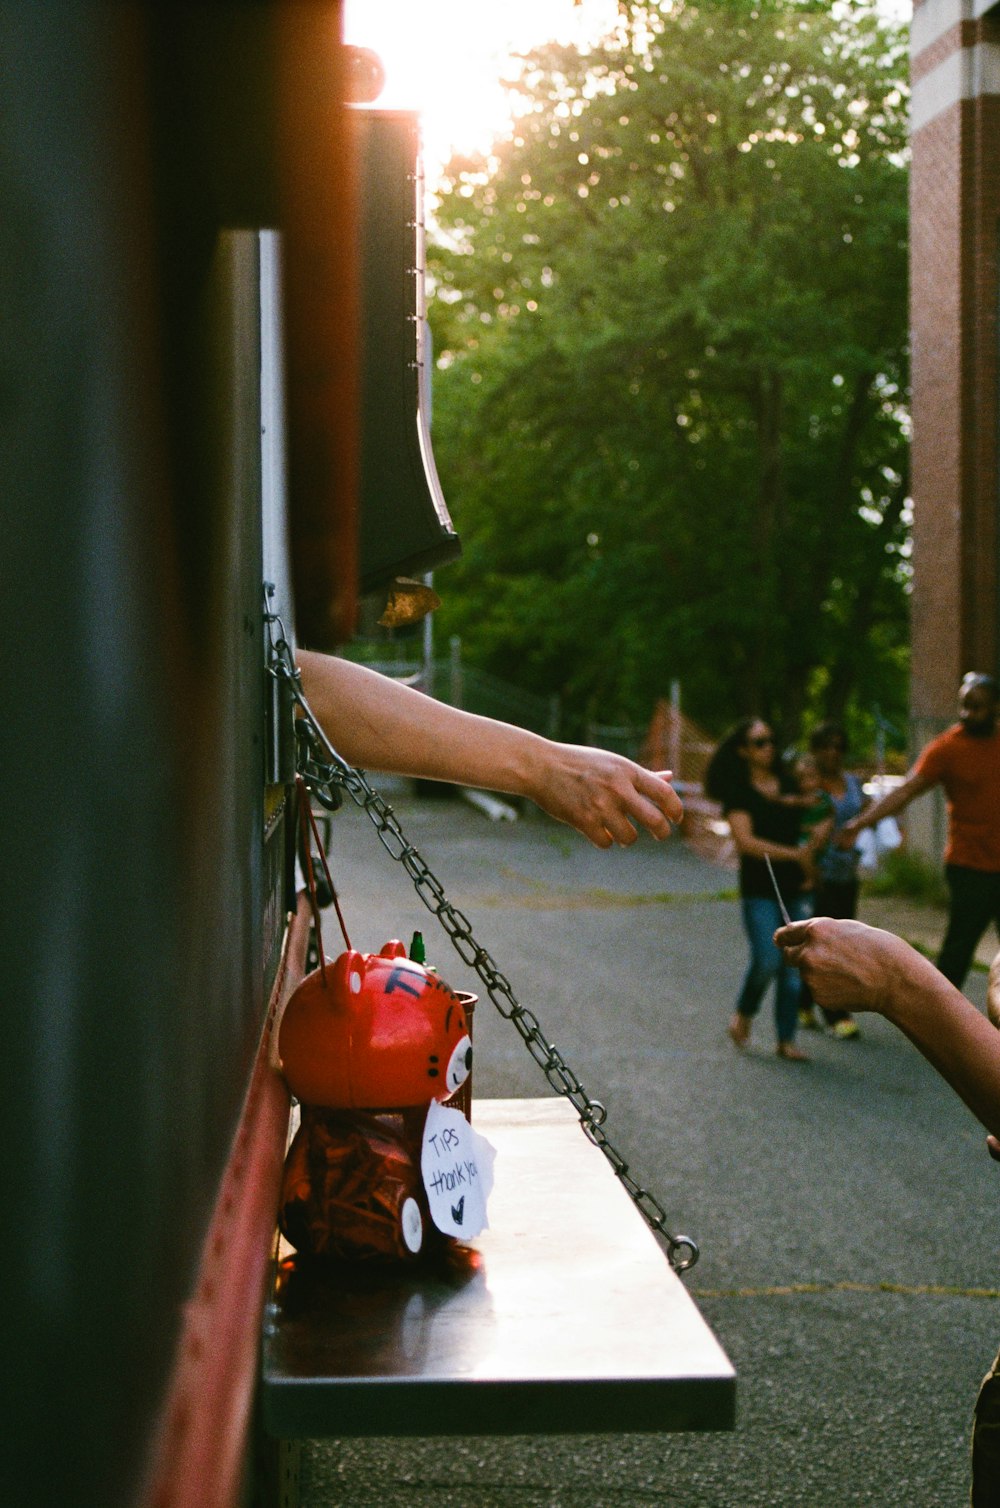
(634, 798)
(619, 830)
(792, 940)
(845, 963)
(651, 817)
(993, 1148)
(793, 934)
(607, 797)
(650, 800)
(993, 992)
(656, 785)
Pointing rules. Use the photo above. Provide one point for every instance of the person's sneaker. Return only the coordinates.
(807, 1019)
(846, 1029)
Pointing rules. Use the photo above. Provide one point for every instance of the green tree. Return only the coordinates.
(671, 320)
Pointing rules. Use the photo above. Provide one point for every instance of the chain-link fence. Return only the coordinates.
(669, 741)
(449, 680)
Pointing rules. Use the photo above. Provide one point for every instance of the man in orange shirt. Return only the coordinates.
(965, 760)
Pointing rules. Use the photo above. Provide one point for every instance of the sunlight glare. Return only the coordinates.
(446, 58)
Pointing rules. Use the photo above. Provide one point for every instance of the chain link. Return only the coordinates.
(327, 775)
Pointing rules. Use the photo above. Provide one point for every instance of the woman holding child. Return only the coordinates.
(765, 817)
(836, 866)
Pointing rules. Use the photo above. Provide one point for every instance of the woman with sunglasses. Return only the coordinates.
(745, 777)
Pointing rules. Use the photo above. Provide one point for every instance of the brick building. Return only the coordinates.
(954, 292)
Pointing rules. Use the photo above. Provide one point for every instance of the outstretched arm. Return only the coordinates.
(887, 806)
(381, 724)
(854, 967)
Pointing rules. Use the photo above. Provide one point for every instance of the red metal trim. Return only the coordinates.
(199, 1452)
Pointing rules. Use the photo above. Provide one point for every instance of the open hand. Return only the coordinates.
(604, 796)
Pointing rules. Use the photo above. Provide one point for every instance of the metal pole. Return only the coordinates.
(428, 675)
(455, 647)
(880, 727)
(675, 728)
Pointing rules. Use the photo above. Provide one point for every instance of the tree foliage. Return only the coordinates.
(670, 321)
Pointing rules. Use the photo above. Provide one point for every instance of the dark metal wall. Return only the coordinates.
(133, 981)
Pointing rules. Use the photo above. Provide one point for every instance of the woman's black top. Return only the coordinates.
(775, 823)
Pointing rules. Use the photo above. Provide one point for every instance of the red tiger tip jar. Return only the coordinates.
(379, 1031)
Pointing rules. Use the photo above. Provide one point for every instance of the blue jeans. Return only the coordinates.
(762, 918)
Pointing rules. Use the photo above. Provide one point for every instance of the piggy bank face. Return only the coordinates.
(381, 1033)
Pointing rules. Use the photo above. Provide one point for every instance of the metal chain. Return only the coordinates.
(326, 774)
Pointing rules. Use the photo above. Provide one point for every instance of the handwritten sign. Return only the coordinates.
(457, 1167)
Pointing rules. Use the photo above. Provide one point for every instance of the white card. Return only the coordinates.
(457, 1167)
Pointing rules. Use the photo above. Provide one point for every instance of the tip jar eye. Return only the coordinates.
(459, 1064)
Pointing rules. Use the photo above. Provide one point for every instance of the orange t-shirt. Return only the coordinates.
(968, 767)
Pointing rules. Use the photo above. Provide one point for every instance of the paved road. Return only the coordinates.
(846, 1209)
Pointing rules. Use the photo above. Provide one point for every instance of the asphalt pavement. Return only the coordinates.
(846, 1209)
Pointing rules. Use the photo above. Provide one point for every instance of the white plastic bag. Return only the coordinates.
(875, 841)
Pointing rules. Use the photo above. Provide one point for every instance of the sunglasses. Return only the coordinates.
(761, 743)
